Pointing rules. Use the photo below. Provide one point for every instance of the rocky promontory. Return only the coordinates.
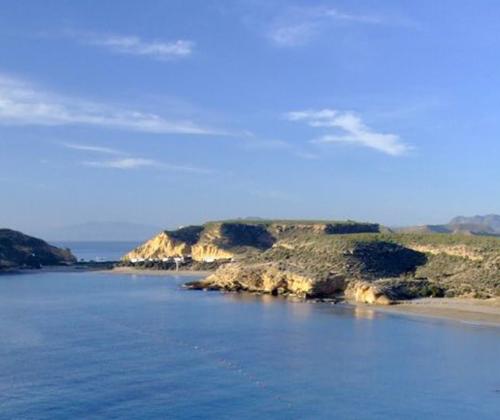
(18, 250)
(358, 262)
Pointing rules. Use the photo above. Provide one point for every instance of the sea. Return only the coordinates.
(98, 251)
(100, 345)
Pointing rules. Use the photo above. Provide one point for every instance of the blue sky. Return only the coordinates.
(176, 112)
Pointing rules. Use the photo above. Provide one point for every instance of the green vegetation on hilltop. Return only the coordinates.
(460, 265)
(268, 222)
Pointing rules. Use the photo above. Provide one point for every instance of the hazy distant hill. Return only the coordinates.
(475, 225)
(488, 222)
(102, 231)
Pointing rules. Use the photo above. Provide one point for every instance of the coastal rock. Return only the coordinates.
(209, 252)
(159, 247)
(270, 278)
(211, 242)
(364, 292)
(18, 250)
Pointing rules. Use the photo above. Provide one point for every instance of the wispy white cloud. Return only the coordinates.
(298, 26)
(96, 149)
(22, 103)
(293, 35)
(134, 45)
(349, 128)
(124, 161)
(128, 163)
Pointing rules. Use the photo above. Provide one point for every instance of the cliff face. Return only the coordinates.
(161, 246)
(211, 242)
(18, 251)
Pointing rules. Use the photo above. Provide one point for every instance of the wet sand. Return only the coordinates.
(474, 311)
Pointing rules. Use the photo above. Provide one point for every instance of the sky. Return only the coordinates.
(176, 112)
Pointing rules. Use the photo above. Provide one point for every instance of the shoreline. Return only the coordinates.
(152, 272)
(102, 269)
(481, 312)
(465, 310)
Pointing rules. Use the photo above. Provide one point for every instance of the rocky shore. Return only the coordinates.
(273, 280)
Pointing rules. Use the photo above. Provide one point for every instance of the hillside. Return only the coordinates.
(490, 222)
(320, 259)
(22, 251)
(225, 240)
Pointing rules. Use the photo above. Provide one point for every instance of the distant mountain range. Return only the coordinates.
(475, 225)
(101, 231)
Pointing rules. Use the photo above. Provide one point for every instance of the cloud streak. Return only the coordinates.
(134, 45)
(300, 25)
(349, 128)
(123, 161)
(23, 104)
(129, 163)
(95, 149)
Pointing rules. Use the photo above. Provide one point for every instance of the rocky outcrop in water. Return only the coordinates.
(267, 278)
(282, 281)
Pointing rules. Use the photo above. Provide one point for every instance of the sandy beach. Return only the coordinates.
(475, 311)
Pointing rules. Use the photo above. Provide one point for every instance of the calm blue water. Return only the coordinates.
(98, 251)
(93, 345)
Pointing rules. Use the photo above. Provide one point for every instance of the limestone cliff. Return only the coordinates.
(210, 242)
(159, 247)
